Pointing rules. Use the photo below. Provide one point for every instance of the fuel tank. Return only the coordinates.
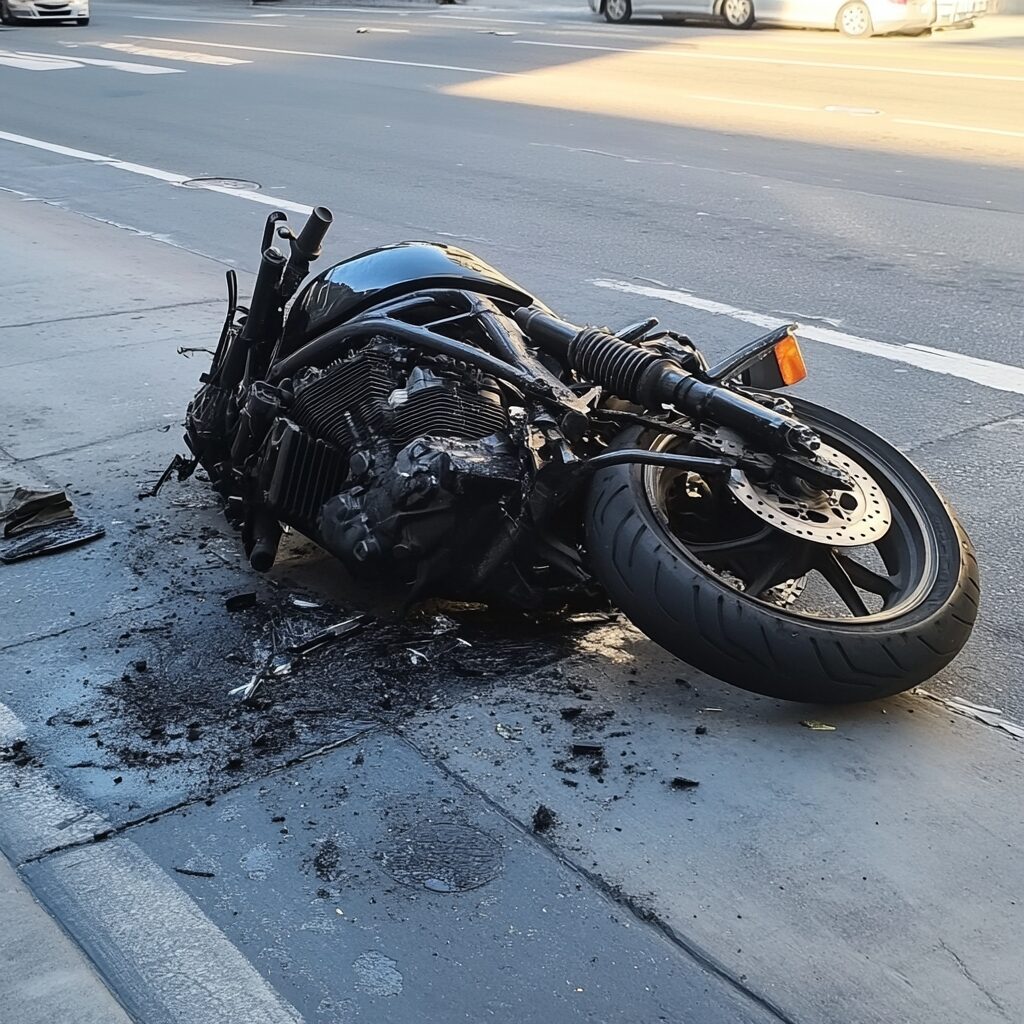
(379, 275)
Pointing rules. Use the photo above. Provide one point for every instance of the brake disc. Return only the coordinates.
(837, 518)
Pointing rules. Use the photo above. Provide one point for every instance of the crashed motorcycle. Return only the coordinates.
(434, 426)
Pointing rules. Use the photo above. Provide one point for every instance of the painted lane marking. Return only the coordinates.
(480, 17)
(189, 56)
(26, 63)
(334, 56)
(116, 65)
(828, 65)
(960, 127)
(133, 910)
(998, 376)
(153, 172)
(212, 21)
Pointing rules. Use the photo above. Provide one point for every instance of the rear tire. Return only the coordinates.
(618, 12)
(854, 21)
(83, 21)
(700, 618)
(5, 14)
(738, 13)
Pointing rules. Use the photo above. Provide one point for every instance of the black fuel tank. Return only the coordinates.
(356, 284)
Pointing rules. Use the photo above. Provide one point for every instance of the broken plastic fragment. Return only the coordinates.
(818, 726)
(508, 732)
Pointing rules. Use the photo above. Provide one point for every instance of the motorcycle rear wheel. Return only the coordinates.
(667, 586)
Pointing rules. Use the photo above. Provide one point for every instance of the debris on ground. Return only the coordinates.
(239, 602)
(587, 749)
(284, 663)
(543, 819)
(818, 726)
(24, 508)
(701, 730)
(179, 464)
(681, 782)
(508, 732)
(979, 712)
(570, 713)
(47, 540)
(195, 874)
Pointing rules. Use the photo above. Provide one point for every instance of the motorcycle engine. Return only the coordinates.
(390, 457)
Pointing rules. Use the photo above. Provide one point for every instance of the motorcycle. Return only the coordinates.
(431, 424)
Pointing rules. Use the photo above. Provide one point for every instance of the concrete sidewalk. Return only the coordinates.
(44, 977)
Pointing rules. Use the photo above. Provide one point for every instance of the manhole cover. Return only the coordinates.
(443, 856)
(235, 183)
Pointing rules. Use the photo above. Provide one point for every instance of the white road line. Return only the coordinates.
(961, 127)
(188, 56)
(116, 65)
(480, 17)
(155, 937)
(999, 376)
(829, 65)
(333, 56)
(152, 172)
(23, 63)
(211, 21)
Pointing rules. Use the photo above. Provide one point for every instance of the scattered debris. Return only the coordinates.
(28, 508)
(818, 726)
(47, 540)
(586, 749)
(508, 732)
(239, 602)
(140, 665)
(543, 819)
(979, 712)
(299, 602)
(701, 730)
(570, 713)
(711, 709)
(186, 351)
(195, 874)
(681, 782)
(179, 464)
(285, 663)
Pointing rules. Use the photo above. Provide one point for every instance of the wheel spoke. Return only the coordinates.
(839, 580)
(866, 579)
(773, 571)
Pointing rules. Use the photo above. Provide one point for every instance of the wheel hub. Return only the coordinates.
(836, 518)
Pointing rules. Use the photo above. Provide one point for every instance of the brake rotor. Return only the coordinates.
(837, 518)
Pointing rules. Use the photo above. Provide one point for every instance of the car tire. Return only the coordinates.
(618, 12)
(738, 13)
(5, 14)
(83, 21)
(854, 21)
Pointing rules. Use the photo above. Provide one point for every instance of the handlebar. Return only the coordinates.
(307, 244)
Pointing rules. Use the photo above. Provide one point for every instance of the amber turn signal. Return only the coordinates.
(790, 360)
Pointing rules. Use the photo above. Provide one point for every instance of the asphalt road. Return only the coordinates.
(871, 190)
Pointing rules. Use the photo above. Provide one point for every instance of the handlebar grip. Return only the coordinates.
(311, 237)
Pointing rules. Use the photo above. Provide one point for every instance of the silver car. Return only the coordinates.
(12, 12)
(851, 17)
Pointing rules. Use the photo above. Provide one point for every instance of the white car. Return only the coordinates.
(851, 17)
(14, 12)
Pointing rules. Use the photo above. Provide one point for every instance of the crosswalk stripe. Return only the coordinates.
(190, 56)
(117, 65)
(25, 63)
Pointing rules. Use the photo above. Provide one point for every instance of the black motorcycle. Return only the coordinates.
(432, 425)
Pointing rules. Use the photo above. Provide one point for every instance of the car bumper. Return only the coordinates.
(909, 17)
(43, 10)
(959, 13)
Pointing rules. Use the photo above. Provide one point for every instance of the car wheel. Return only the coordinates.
(738, 13)
(83, 21)
(618, 12)
(5, 14)
(855, 21)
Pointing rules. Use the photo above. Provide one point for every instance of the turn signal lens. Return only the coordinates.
(790, 361)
